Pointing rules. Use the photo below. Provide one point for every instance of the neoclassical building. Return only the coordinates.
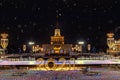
(113, 44)
(3, 43)
(57, 45)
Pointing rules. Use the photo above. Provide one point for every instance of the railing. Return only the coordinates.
(21, 59)
(78, 56)
(98, 58)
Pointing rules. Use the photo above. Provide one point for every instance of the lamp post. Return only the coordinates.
(33, 48)
(89, 47)
(24, 48)
(31, 44)
(81, 43)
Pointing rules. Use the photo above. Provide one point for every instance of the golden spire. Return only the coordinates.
(57, 24)
(57, 30)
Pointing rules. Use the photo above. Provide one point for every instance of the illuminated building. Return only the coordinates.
(4, 42)
(57, 40)
(57, 45)
(114, 45)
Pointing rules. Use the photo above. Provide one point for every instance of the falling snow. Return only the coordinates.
(85, 18)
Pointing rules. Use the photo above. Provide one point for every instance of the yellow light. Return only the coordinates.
(4, 40)
(4, 35)
(81, 42)
(32, 62)
(110, 35)
(31, 43)
(79, 62)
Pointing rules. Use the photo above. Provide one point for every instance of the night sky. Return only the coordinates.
(35, 20)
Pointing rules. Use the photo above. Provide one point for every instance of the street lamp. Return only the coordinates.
(31, 44)
(24, 48)
(89, 47)
(81, 43)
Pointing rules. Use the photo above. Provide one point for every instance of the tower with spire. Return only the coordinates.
(57, 40)
(57, 30)
(57, 45)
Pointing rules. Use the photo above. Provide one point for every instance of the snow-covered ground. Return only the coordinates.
(104, 74)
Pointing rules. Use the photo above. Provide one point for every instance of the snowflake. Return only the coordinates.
(15, 18)
(8, 28)
(99, 27)
(59, 14)
(19, 26)
(110, 21)
(68, 6)
(56, 11)
(38, 9)
(74, 4)
(34, 24)
(25, 25)
(0, 4)
(39, 30)
(17, 38)
(95, 9)
(64, 0)
(22, 31)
